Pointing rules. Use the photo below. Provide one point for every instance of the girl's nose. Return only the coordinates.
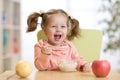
(58, 28)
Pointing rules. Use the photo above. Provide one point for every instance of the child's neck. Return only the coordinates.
(55, 45)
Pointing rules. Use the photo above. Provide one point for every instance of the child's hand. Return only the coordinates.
(86, 67)
(46, 50)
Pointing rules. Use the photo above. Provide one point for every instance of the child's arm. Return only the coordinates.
(82, 64)
(41, 60)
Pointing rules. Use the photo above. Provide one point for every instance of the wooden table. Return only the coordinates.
(57, 75)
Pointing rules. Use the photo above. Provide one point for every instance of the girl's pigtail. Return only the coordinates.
(74, 29)
(32, 21)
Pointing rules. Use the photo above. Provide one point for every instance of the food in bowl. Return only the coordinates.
(67, 66)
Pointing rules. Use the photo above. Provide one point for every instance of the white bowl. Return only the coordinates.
(67, 66)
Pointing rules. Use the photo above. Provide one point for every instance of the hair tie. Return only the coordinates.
(71, 17)
(41, 13)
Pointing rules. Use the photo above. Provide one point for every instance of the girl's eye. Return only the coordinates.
(63, 26)
(53, 26)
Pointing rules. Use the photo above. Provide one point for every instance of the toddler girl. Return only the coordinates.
(59, 28)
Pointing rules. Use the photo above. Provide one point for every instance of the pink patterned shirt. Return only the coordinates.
(66, 51)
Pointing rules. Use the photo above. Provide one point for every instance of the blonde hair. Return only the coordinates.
(73, 24)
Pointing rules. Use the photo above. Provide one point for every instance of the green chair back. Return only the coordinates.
(88, 44)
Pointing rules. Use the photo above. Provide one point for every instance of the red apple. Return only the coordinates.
(101, 68)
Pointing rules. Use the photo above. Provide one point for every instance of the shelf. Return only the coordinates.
(11, 27)
(18, 1)
(10, 56)
(10, 40)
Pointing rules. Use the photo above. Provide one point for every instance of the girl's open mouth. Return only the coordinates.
(57, 37)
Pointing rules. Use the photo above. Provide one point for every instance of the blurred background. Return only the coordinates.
(16, 44)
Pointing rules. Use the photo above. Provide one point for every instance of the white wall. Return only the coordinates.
(86, 11)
